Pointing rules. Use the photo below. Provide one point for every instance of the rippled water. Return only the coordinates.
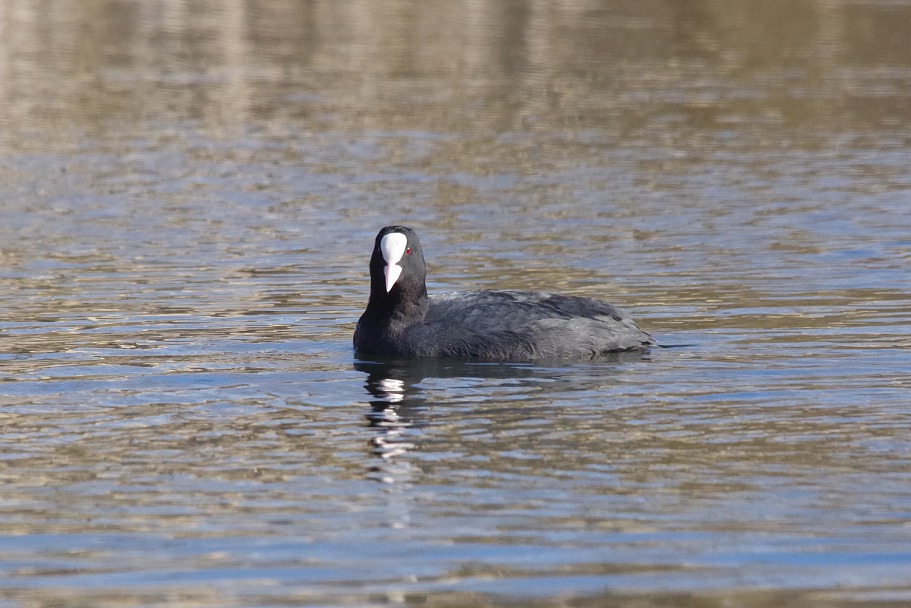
(189, 195)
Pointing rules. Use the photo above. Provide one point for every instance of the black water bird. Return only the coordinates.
(402, 321)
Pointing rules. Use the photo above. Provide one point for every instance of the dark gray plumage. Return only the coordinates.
(402, 321)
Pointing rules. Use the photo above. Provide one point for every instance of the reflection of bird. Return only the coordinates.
(401, 320)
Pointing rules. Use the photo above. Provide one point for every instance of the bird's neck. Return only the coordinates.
(398, 306)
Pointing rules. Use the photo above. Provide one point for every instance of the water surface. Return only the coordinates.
(189, 193)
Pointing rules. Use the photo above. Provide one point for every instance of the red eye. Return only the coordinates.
(407, 250)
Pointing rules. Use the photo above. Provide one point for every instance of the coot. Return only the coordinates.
(401, 320)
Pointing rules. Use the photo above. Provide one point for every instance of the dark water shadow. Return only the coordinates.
(399, 402)
(394, 382)
(396, 396)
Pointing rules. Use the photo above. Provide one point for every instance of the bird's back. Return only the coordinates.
(527, 325)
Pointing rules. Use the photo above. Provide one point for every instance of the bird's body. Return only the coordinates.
(401, 320)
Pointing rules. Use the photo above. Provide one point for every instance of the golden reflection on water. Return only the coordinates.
(494, 67)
